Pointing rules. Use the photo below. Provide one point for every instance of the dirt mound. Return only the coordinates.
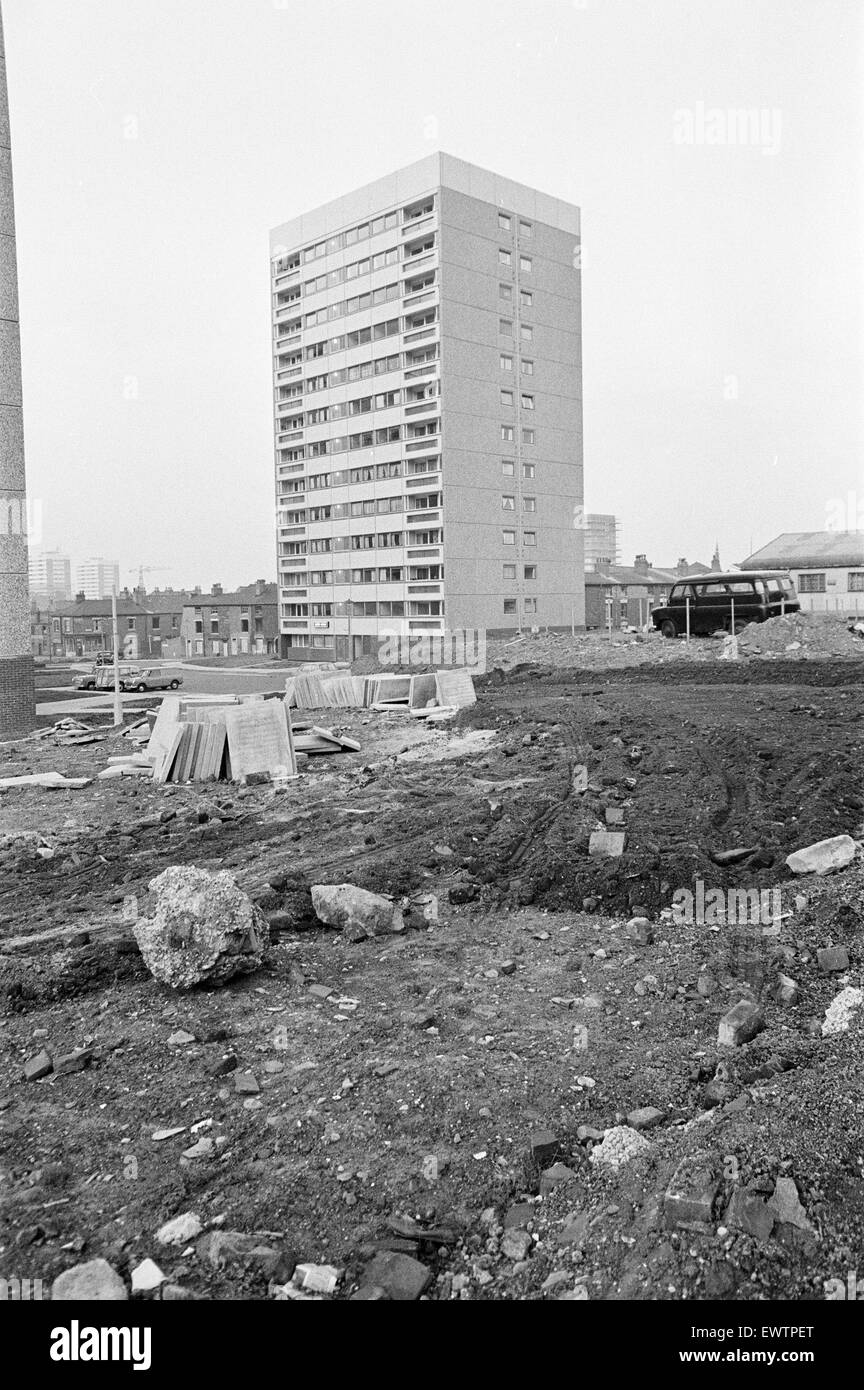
(807, 634)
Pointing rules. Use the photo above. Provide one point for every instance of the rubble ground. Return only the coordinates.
(440, 1095)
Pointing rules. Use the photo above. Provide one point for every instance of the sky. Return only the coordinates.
(156, 142)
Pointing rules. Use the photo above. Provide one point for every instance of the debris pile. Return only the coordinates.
(424, 694)
(807, 634)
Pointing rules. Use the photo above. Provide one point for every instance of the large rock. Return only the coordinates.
(93, 1282)
(354, 910)
(824, 856)
(204, 929)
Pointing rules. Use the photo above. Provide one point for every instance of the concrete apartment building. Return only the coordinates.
(602, 540)
(428, 411)
(50, 574)
(97, 578)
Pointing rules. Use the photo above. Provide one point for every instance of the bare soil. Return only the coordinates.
(527, 1006)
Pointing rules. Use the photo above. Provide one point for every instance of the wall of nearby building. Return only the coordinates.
(472, 414)
(840, 594)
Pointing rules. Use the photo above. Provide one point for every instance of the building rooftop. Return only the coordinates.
(809, 550)
(413, 181)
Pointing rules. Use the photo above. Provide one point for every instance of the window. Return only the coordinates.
(508, 468)
(509, 571)
(505, 328)
(528, 470)
(508, 433)
(508, 502)
(508, 537)
(526, 299)
(526, 228)
(527, 402)
(529, 537)
(506, 397)
(527, 367)
(811, 584)
(504, 257)
(525, 263)
(856, 581)
(529, 504)
(526, 333)
(509, 605)
(505, 362)
(527, 436)
(530, 571)
(505, 292)
(503, 222)
(530, 605)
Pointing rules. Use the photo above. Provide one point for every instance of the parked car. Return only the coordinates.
(86, 680)
(150, 678)
(104, 676)
(756, 594)
(104, 658)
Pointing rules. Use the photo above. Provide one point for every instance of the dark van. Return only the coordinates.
(756, 595)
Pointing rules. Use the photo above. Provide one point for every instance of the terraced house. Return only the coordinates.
(428, 411)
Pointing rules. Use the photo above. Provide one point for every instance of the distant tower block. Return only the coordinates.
(17, 700)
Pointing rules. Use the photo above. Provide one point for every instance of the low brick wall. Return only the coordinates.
(17, 696)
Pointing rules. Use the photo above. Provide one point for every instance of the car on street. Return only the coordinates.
(706, 603)
(149, 678)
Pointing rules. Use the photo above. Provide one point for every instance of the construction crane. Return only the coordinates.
(147, 569)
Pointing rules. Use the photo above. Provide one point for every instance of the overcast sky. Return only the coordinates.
(156, 142)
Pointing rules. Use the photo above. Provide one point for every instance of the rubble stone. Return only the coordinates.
(832, 958)
(180, 1229)
(690, 1194)
(620, 1145)
(402, 1278)
(786, 1205)
(355, 911)
(748, 1212)
(740, 1024)
(645, 1117)
(515, 1243)
(93, 1282)
(37, 1067)
(825, 855)
(841, 1011)
(204, 929)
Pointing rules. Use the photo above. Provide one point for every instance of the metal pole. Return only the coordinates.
(687, 607)
(733, 616)
(118, 708)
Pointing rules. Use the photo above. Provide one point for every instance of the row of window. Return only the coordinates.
(371, 473)
(508, 468)
(526, 366)
(509, 398)
(382, 540)
(526, 298)
(352, 271)
(529, 572)
(505, 257)
(390, 574)
(364, 405)
(505, 224)
(352, 235)
(508, 502)
(355, 305)
(505, 330)
(529, 605)
(368, 439)
(372, 506)
(815, 583)
(508, 434)
(366, 608)
(528, 537)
